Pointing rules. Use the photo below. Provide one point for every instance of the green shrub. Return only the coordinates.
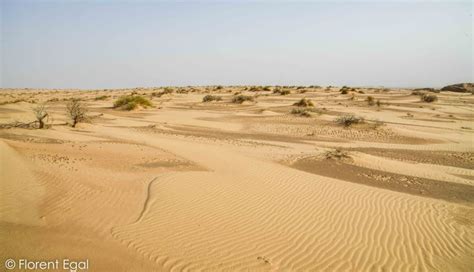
(349, 119)
(239, 99)
(209, 98)
(130, 102)
(304, 103)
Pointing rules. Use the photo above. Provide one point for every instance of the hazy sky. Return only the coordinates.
(106, 44)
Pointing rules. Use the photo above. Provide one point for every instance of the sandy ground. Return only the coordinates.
(217, 186)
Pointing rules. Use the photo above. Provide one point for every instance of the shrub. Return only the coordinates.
(302, 112)
(378, 103)
(349, 119)
(167, 90)
(219, 87)
(41, 112)
(285, 92)
(337, 154)
(76, 111)
(130, 102)
(346, 90)
(370, 100)
(239, 99)
(255, 89)
(209, 98)
(102, 97)
(429, 98)
(304, 103)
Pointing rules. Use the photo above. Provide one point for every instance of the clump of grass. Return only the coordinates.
(429, 98)
(282, 91)
(305, 112)
(131, 102)
(209, 98)
(346, 90)
(337, 154)
(219, 87)
(167, 90)
(304, 103)
(349, 120)
(370, 100)
(378, 103)
(102, 97)
(239, 99)
(255, 89)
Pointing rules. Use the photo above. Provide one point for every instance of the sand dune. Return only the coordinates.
(192, 186)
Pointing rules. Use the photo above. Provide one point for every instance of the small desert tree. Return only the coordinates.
(41, 112)
(76, 111)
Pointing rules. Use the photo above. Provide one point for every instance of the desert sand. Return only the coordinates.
(187, 185)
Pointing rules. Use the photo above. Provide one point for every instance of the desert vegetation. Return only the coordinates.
(41, 113)
(304, 103)
(239, 99)
(370, 100)
(131, 102)
(349, 120)
(210, 98)
(76, 111)
(305, 112)
(429, 98)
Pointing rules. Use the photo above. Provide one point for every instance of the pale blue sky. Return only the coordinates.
(107, 44)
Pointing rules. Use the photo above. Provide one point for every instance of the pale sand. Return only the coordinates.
(190, 186)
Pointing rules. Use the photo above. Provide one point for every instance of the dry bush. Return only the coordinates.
(282, 92)
(337, 154)
(349, 120)
(429, 98)
(76, 111)
(306, 112)
(41, 113)
(370, 100)
(239, 99)
(304, 103)
(209, 98)
(102, 97)
(346, 90)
